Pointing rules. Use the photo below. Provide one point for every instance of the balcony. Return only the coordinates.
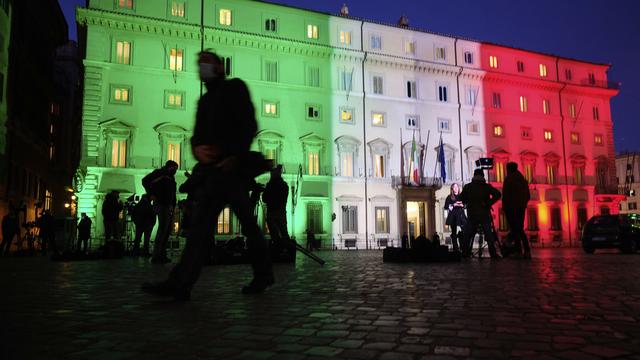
(601, 84)
(606, 189)
(424, 181)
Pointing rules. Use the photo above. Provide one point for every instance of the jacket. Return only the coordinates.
(479, 197)
(456, 215)
(143, 214)
(161, 186)
(84, 228)
(515, 191)
(275, 196)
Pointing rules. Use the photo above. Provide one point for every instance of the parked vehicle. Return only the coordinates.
(612, 231)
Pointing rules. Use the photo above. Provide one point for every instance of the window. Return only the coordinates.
(572, 110)
(552, 170)
(532, 219)
(468, 57)
(498, 130)
(314, 217)
(349, 219)
(175, 59)
(578, 175)
(378, 119)
(313, 76)
(225, 17)
(471, 95)
(596, 113)
(173, 99)
(121, 94)
(575, 138)
(376, 42)
(382, 220)
(520, 66)
(377, 85)
(313, 163)
(177, 8)
(345, 80)
(543, 70)
(313, 112)
(347, 151)
(345, 38)
(224, 222)
(271, 71)
(567, 74)
(556, 219)
(270, 108)
(125, 4)
(271, 25)
(493, 62)
(582, 217)
(413, 122)
(545, 107)
(597, 139)
(226, 64)
(528, 172)
(548, 135)
(173, 152)
(497, 101)
(500, 171)
(409, 47)
(444, 125)
(346, 164)
(412, 91)
(592, 79)
(524, 107)
(123, 52)
(119, 153)
(312, 31)
(346, 115)
(473, 127)
(378, 166)
(441, 53)
(442, 93)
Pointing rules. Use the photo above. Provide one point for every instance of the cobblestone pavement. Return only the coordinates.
(562, 304)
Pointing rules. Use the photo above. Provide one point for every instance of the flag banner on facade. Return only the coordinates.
(401, 159)
(414, 160)
(443, 169)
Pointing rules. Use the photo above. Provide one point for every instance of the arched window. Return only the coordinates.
(117, 139)
(348, 147)
(380, 151)
(171, 139)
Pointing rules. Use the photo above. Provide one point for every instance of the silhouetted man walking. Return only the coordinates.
(275, 197)
(161, 185)
(84, 232)
(224, 130)
(514, 204)
(144, 219)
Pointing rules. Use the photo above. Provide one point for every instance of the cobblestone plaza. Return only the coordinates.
(563, 304)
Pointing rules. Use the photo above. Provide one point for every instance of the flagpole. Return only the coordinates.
(401, 159)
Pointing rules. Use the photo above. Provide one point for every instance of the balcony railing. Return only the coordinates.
(398, 181)
(601, 84)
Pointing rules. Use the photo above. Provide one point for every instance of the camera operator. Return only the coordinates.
(479, 197)
(47, 233)
(160, 184)
(224, 130)
(275, 197)
(111, 208)
(144, 219)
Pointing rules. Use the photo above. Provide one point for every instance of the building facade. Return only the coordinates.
(356, 111)
(628, 178)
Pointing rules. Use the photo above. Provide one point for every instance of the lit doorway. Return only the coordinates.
(416, 219)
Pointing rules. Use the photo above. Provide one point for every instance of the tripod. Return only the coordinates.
(481, 237)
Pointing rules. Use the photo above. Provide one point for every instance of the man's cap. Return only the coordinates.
(512, 167)
(478, 172)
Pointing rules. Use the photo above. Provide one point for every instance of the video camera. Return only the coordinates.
(484, 163)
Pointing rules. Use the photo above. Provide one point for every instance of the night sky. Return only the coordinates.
(605, 31)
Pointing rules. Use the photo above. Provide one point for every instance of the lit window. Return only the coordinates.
(473, 127)
(409, 47)
(312, 31)
(528, 172)
(441, 53)
(346, 115)
(596, 113)
(125, 4)
(174, 99)
(313, 112)
(578, 175)
(548, 135)
(572, 111)
(493, 62)
(442, 93)
(123, 52)
(468, 57)
(376, 42)
(225, 17)
(175, 59)
(346, 164)
(345, 38)
(377, 85)
(119, 153)
(498, 130)
(382, 220)
(121, 95)
(412, 91)
(497, 101)
(377, 119)
(378, 166)
(177, 8)
(575, 138)
(444, 125)
(270, 108)
(551, 174)
(543, 70)
(520, 66)
(524, 107)
(597, 139)
(499, 168)
(525, 133)
(545, 107)
(271, 71)
(224, 221)
(173, 152)
(270, 25)
(413, 122)
(313, 163)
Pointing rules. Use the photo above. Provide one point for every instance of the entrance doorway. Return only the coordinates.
(416, 219)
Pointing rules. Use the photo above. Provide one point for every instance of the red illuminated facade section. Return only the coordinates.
(552, 117)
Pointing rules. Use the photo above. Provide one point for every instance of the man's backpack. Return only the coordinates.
(150, 182)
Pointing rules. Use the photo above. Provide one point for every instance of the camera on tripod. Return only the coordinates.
(131, 202)
(484, 163)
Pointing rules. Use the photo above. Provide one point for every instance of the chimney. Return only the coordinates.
(403, 21)
(344, 10)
